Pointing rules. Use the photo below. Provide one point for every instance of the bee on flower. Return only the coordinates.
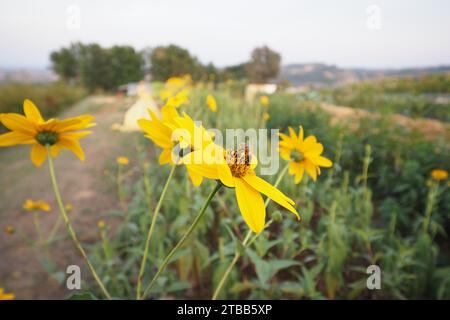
(303, 154)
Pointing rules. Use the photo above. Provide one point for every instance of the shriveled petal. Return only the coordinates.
(251, 205)
(38, 154)
(271, 192)
(31, 111)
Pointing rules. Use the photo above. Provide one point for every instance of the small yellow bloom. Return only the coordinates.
(69, 207)
(41, 205)
(211, 103)
(33, 129)
(6, 296)
(266, 116)
(238, 173)
(305, 155)
(101, 224)
(10, 230)
(123, 160)
(439, 174)
(264, 100)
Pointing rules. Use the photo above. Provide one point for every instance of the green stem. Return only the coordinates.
(150, 232)
(72, 233)
(247, 241)
(54, 229)
(182, 240)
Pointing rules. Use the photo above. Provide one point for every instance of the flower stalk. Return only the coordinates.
(182, 240)
(72, 233)
(150, 232)
(248, 240)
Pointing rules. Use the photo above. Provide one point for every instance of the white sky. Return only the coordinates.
(412, 33)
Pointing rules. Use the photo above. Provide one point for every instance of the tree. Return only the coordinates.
(169, 61)
(95, 68)
(127, 65)
(264, 65)
(65, 62)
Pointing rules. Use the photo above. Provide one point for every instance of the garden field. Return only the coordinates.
(384, 201)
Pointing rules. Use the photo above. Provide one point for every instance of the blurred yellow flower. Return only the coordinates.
(266, 116)
(31, 205)
(179, 99)
(238, 173)
(174, 131)
(211, 103)
(6, 296)
(123, 160)
(303, 154)
(439, 174)
(10, 230)
(69, 207)
(32, 129)
(101, 224)
(264, 100)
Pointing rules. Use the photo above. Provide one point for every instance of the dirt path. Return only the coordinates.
(82, 184)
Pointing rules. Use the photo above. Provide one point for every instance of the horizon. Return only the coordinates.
(352, 34)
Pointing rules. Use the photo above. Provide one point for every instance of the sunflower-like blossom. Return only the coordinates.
(303, 154)
(54, 133)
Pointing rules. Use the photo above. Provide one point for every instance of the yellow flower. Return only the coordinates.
(266, 116)
(10, 230)
(211, 102)
(179, 99)
(32, 129)
(69, 207)
(174, 134)
(439, 174)
(264, 100)
(31, 205)
(303, 154)
(238, 173)
(123, 160)
(101, 224)
(6, 296)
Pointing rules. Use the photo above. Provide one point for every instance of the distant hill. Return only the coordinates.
(26, 75)
(319, 74)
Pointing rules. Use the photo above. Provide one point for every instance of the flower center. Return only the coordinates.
(297, 156)
(47, 138)
(239, 161)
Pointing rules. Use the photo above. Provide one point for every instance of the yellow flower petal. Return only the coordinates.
(15, 137)
(195, 178)
(251, 205)
(165, 157)
(38, 154)
(73, 145)
(31, 111)
(310, 169)
(17, 122)
(321, 161)
(273, 193)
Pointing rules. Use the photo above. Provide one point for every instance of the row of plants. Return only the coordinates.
(425, 96)
(384, 202)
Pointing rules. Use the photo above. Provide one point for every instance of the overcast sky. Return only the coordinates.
(349, 33)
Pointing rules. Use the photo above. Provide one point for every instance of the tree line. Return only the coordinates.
(96, 67)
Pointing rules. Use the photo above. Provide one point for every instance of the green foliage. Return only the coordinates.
(414, 97)
(98, 68)
(51, 98)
